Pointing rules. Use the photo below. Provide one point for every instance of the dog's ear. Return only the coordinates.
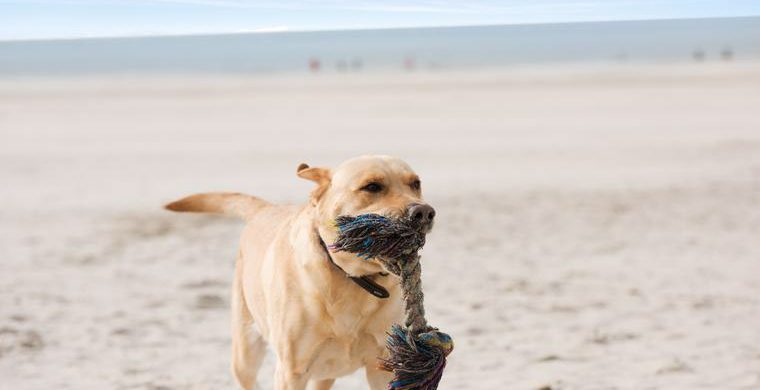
(321, 176)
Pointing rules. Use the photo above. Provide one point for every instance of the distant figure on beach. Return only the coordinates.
(342, 66)
(727, 54)
(314, 64)
(356, 64)
(409, 63)
(698, 55)
(622, 57)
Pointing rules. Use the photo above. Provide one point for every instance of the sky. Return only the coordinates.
(55, 19)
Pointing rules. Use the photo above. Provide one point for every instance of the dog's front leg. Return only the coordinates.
(325, 384)
(377, 379)
(288, 379)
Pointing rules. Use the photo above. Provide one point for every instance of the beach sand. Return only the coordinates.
(598, 227)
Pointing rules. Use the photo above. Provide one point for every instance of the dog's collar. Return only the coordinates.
(362, 281)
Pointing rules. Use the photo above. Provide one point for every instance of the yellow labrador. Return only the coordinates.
(324, 314)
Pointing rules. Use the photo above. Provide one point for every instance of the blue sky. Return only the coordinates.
(41, 19)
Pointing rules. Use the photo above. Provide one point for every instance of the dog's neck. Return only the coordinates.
(365, 281)
(341, 264)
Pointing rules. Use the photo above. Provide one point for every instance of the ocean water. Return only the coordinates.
(708, 40)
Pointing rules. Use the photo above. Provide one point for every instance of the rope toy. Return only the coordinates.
(417, 351)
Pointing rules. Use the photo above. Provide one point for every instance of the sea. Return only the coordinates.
(407, 49)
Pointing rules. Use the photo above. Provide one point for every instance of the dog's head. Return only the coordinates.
(365, 185)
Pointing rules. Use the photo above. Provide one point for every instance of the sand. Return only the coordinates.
(598, 227)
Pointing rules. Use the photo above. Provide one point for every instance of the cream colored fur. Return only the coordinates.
(287, 294)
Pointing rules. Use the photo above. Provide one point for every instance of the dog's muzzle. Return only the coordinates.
(422, 215)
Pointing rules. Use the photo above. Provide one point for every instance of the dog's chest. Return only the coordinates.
(356, 335)
(342, 356)
(355, 314)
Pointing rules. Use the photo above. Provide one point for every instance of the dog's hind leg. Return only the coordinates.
(248, 346)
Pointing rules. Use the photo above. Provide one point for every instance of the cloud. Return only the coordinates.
(390, 6)
(385, 6)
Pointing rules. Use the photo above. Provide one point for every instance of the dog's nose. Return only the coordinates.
(422, 213)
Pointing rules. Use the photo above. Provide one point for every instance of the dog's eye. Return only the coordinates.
(415, 185)
(373, 187)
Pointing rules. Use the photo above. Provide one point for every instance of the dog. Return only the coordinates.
(324, 314)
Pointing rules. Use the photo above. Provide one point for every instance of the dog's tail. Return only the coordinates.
(226, 203)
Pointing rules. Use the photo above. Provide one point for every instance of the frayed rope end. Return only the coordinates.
(417, 361)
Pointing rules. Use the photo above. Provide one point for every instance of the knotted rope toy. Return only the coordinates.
(417, 351)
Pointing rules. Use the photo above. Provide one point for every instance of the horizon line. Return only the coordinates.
(287, 30)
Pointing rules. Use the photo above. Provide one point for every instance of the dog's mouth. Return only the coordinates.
(425, 228)
(373, 236)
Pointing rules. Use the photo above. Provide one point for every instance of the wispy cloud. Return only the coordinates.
(410, 6)
(420, 6)
(392, 6)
